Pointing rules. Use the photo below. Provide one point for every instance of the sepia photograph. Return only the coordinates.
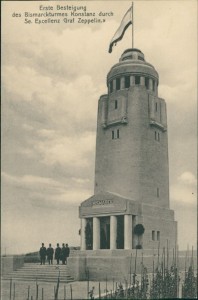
(98, 150)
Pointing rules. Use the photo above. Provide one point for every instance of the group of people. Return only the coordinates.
(61, 254)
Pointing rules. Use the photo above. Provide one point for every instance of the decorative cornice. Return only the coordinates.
(123, 120)
(158, 125)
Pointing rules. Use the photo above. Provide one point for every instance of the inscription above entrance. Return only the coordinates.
(102, 202)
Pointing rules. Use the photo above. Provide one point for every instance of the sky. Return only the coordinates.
(52, 78)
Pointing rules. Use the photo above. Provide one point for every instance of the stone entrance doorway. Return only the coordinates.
(120, 232)
(105, 233)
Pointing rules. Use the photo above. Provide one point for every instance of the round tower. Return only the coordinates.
(131, 143)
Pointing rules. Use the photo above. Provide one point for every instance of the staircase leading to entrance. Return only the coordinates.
(45, 273)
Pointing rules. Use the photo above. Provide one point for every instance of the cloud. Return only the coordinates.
(44, 192)
(72, 151)
(188, 178)
(184, 190)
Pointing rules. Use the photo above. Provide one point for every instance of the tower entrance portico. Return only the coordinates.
(111, 222)
(107, 222)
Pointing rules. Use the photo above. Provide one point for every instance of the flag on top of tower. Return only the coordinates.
(126, 21)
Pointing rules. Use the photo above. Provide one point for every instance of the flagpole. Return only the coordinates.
(132, 20)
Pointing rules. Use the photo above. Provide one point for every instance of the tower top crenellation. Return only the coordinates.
(132, 62)
(132, 54)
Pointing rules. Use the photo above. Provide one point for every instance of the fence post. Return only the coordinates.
(71, 290)
(106, 286)
(88, 284)
(28, 298)
(99, 290)
(36, 291)
(10, 288)
(64, 292)
(14, 291)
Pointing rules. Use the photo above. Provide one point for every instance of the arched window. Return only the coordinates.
(116, 104)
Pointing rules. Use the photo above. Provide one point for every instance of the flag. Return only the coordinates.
(126, 21)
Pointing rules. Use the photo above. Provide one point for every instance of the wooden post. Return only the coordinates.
(99, 290)
(158, 249)
(126, 289)
(135, 267)
(28, 298)
(10, 288)
(64, 292)
(71, 290)
(130, 270)
(177, 271)
(132, 17)
(106, 286)
(88, 284)
(167, 254)
(42, 294)
(36, 291)
(14, 291)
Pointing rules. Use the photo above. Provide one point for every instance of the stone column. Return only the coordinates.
(142, 80)
(122, 83)
(132, 80)
(150, 84)
(113, 232)
(96, 233)
(155, 87)
(127, 231)
(83, 240)
(114, 84)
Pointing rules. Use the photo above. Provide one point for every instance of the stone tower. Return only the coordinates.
(132, 146)
(131, 168)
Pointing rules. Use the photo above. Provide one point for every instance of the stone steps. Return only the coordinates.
(45, 273)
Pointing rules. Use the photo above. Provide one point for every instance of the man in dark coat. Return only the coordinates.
(63, 254)
(67, 251)
(42, 253)
(50, 253)
(58, 253)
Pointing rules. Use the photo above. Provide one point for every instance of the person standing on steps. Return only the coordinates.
(58, 254)
(63, 254)
(67, 251)
(50, 253)
(42, 253)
